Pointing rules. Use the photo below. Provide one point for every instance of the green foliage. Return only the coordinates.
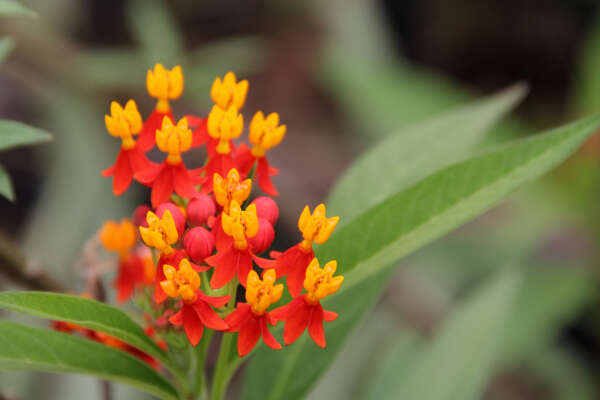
(34, 349)
(14, 8)
(460, 359)
(6, 188)
(6, 46)
(15, 134)
(423, 148)
(88, 313)
(368, 247)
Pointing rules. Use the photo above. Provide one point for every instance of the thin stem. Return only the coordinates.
(201, 351)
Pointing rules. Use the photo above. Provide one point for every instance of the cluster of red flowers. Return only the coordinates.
(205, 233)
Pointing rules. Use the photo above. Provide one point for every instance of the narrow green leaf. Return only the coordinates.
(411, 154)
(13, 7)
(6, 46)
(85, 312)
(458, 362)
(6, 187)
(15, 134)
(369, 247)
(35, 349)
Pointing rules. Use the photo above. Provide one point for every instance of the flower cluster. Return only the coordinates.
(205, 232)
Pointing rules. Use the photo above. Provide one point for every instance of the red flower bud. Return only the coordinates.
(139, 215)
(198, 243)
(263, 239)
(200, 208)
(177, 214)
(266, 208)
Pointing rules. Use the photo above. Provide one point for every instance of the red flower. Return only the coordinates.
(251, 319)
(172, 259)
(245, 160)
(131, 274)
(147, 138)
(306, 310)
(171, 175)
(195, 316)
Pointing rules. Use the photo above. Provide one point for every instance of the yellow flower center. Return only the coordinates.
(124, 122)
(174, 139)
(226, 190)
(315, 227)
(265, 133)
(260, 294)
(239, 224)
(224, 126)
(161, 233)
(164, 84)
(227, 92)
(182, 282)
(320, 282)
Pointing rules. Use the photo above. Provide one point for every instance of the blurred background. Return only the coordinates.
(342, 74)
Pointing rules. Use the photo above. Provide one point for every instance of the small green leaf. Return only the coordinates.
(13, 7)
(368, 248)
(15, 134)
(88, 313)
(457, 364)
(6, 46)
(35, 349)
(414, 152)
(6, 187)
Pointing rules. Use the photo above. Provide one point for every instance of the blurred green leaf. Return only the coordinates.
(6, 187)
(88, 313)
(34, 349)
(549, 299)
(111, 68)
(6, 46)
(14, 134)
(587, 80)
(458, 362)
(368, 248)
(156, 31)
(411, 154)
(13, 7)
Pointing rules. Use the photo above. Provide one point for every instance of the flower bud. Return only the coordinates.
(200, 208)
(198, 243)
(266, 208)
(139, 215)
(263, 239)
(177, 214)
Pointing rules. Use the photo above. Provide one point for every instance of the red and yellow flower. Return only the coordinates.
(306, 311)
(196, 311)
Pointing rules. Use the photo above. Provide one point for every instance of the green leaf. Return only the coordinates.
(6, 187)
(16, 134)
(35, 349)
(369, 247)
(411, 154)
(458, 362)
(13, 7)
(6, 46)
(88, 313)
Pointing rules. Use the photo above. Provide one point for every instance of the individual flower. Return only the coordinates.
(228, 92)
(236, 258)
(223, 126)
(125, 123)
(171, 175)
(196, 311)
(292, 263)
(265, 133)
(306, 310)
(164, 85)
(121, 238)
(250, 319)
(177, 214)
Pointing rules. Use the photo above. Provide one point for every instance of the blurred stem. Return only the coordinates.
(13, 265)
(106, 390)
(200, 390)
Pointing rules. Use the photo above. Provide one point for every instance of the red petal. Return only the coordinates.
(147, 137)
(192, 324)
(244, 159)
(224, 268)
(149, 175)
(162, 188)
(139, 161)
(248, 336)
(329, 315)
(108, 171)
(199, 268)
(244, 266)
(208, 316)
(296, 322)
(183, 182)
(264, 178)
(267, 336)
(315, 326)
(214, 301)
(264, 263)
(238, 316)
(122, 174)
(177, 318)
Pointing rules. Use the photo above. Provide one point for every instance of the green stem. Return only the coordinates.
(200, 390)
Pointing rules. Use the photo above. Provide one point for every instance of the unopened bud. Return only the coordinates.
(200, 208)
(266, 208)
(198, 243)
(263, 239)
(177, 214)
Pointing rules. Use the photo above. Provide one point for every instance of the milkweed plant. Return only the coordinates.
(197, 261)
